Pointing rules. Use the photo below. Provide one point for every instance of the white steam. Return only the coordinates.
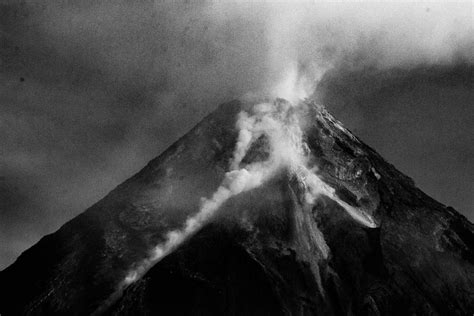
(316, 187)
(236, 181)
(303, 39)
(279, 123)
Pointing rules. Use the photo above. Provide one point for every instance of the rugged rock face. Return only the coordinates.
(266, 252)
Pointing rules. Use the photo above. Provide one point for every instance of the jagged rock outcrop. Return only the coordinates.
(266, 252)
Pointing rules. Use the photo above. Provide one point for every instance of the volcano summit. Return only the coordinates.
(264, 208)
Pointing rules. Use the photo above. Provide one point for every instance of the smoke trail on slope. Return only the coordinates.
(284, 136)
(316, 187)
(236, 181)
(279, 122)
(280, 125)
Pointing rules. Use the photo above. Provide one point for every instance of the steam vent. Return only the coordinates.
(261, 209)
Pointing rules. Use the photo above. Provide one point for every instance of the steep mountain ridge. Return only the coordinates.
(266, 251)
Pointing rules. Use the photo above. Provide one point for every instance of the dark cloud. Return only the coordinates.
(92, 90)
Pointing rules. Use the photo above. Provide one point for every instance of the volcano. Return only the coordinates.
(233, 219)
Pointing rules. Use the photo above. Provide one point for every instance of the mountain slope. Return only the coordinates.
(266, 251)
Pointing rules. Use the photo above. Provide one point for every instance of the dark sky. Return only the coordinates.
(91, 92)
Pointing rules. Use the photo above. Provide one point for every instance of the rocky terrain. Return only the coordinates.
(266, 251)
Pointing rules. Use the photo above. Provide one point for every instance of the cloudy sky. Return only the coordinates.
(91, 91)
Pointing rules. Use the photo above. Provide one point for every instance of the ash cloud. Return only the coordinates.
(93, 90)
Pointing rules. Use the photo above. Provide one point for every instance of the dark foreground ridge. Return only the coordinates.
(261, 254)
